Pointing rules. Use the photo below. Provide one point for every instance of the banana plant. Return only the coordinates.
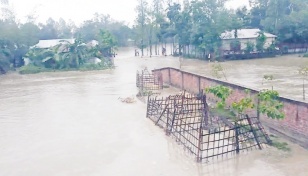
(72, 55)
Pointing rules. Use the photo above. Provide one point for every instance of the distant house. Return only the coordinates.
(44, 44)
(244, 36)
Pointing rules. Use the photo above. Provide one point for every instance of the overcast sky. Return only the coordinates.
(81, 10)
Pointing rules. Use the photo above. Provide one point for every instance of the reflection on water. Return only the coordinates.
(72, 123)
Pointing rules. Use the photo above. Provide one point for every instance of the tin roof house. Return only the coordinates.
(244, 36)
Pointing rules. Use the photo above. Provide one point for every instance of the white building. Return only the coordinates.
(244, 36)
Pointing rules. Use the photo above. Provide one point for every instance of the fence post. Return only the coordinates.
(237, 149)
(253, 132)
(182, 80)
(199, 84)
(169, 74)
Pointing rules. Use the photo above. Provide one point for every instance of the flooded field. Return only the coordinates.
(73, 123)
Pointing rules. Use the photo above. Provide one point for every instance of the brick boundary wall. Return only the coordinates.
(294, 127)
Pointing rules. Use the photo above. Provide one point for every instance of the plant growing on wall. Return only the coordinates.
(220, 92)
(269, 104)
(304, 72)
(244, 104)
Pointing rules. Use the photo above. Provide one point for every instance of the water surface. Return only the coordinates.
(72, 123)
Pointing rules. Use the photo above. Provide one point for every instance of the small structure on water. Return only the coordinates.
(147, 81)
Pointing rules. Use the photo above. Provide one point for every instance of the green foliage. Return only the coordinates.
(268, 77)
(4, 64)
(285, 18)
(67, 56)
(107, 43)
(223, 112)
(249, 47)
(220, 92)
(244, 104)
(261, 39)
(269, 104)
(89, 66)
(241, 106)
(279, 144)
(32, 69)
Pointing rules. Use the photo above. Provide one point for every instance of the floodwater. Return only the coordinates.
(284, 69)
(73, 123)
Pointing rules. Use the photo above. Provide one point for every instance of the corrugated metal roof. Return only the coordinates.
(245, 34)
(52, 43)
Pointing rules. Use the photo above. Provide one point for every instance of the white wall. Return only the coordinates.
(226, 43)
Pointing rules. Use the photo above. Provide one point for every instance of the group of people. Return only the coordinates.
(163, 52)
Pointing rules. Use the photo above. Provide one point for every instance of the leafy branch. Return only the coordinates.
(270, 105)
(244, 104)
(220, 92)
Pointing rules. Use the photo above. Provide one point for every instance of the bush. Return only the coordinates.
(88, 66)
(31, 69)
(4, 66)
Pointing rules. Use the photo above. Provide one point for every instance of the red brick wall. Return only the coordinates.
(295, 124)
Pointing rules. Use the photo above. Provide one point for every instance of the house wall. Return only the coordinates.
(294, 126)
(226, 43)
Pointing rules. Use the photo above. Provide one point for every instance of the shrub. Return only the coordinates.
(31, 69)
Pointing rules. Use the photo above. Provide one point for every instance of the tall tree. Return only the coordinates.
(48, 30)
(142, 21)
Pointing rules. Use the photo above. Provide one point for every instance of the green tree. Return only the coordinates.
(48, 30)
(270, 105)
(261, 39)
(142, 21)
(72, 55)
(107, 43)
(249, 47)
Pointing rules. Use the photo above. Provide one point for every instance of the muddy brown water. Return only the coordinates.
(72, 123)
